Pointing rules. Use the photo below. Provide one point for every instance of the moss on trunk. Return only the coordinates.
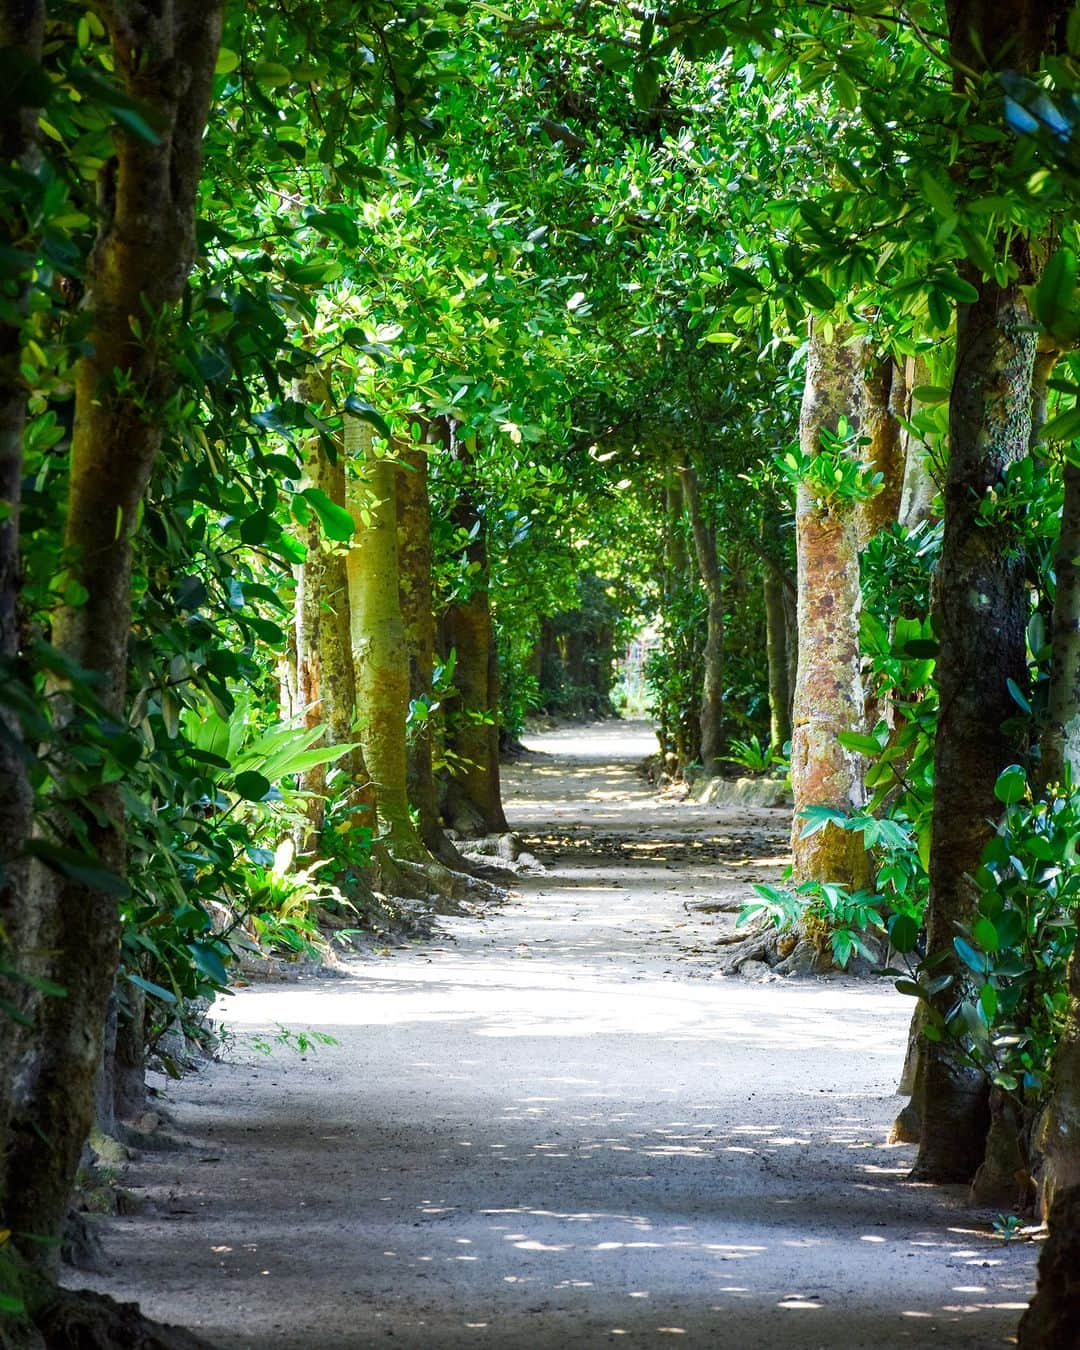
(136, 274)
(828, 688)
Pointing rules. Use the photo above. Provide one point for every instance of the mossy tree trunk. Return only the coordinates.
(378, 636)
(828, 688)
(982, 604)
(164, 59)
(326, 679)
(418, 615)
(981, 619)
(473, 796)
(21, 28)
(711, 717)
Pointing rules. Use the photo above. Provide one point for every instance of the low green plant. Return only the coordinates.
(839, 916)
(754, 756)
(289, 1038)
(834, 475)
(1008, 1011)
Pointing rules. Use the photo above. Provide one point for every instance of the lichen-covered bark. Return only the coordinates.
(378, 636)
(164, 58)
(828, 688)
(21, 27)
(418, 616)
(711, 717)
(473, 797)
(981, 619)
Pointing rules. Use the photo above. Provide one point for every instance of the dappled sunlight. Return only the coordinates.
(539, 1129)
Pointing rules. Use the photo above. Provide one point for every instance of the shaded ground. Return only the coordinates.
(555, 1127)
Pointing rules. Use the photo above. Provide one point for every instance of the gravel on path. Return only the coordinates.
(555, 1126)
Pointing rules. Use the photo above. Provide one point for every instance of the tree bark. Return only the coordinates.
(981, 620)
(378, 637)
(21, 28)
(777, 656)
(144, 250)
(473, 798)
(418, 616)
(882, 400)
(325, 674)
(828, 688)
(1051, 1321)
(712, 692)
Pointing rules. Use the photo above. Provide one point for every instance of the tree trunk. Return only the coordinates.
(777, 654)
(326, 678)
(828, 689)
(919, 488)
(712, 693)
(21, 28)
(1060, 745)
(473, 799)
(136, 274)
(883, 399)
(1051, 1321)
(981, 619)
(418, 616)
(378, 637)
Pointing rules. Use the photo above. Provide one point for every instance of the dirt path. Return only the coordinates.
(554, 1128)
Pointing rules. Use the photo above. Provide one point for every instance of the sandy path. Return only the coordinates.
(552, 1127)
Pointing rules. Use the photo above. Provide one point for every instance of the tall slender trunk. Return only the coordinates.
(325, 679)
(21, 28)
(777, 656)
(139, 267)
(981, 619)
(1060, 743)
(981, 608)
(474, 799)
(828, 689)
(712, 692)
(681, 733)
(378, 637)
(418, 615)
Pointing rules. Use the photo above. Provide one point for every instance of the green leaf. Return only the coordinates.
(910, 987)
(336, 522)
(255, 528)
(856, 740)
(1054, 298)
(988, 1000)
(971, 958)
(366, 413)
(208, 960)
(985, 934)
(1064, 427)
(155, 990)
(227, 61)
(818, 294)
(939, 197)
(903, 932)
(252, 786)
(956, 288)
(1018, 696)
(1011, 785)
(930, 393)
